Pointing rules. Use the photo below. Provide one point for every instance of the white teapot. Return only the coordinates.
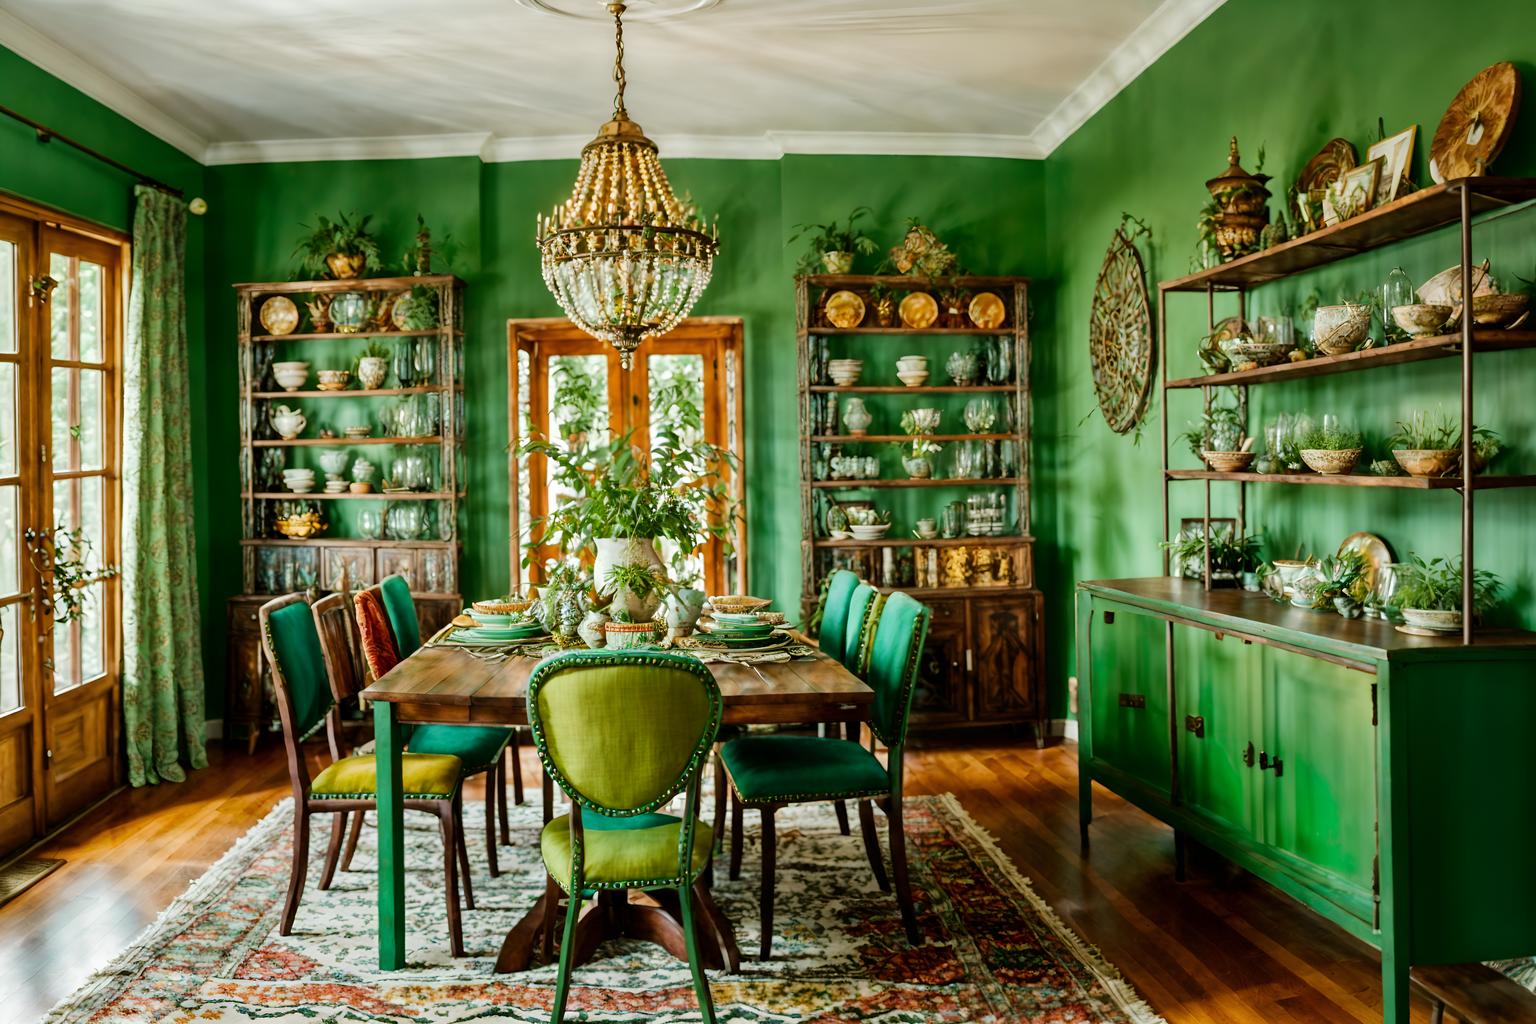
(289, 423)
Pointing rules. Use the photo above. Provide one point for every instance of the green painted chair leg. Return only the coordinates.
(567, 955)
(691, 939)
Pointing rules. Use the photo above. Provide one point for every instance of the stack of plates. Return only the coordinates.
(501, 627)
(741, 630)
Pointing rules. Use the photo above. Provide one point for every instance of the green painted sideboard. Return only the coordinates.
(1386, 781)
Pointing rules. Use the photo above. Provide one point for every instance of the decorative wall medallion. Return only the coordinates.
(1477, 125)
(1120, 341)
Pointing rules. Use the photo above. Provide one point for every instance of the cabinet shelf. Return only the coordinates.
(345, 542)
(349, 496)
(349, 393)
(871, 438)
(1008, 481)
(338, 442)
(1407, 483)
(918, 542)
(1440, 346)
(908, 332)
(358, 335)
(902, 389)
(1428, 209)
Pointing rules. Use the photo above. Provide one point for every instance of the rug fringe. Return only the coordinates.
(1120, 990)
(213, 882)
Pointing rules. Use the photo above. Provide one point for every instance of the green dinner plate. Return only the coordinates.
(749, 643)
(519, 632)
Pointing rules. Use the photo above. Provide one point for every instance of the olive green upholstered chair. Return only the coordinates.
(863, 609)
(484, 749)
(622, 732)
(305, 704)
(772, 771)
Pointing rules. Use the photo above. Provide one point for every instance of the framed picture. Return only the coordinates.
(1354, 193)
(1397, 153)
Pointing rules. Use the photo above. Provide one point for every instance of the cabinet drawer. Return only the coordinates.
(1128, 695)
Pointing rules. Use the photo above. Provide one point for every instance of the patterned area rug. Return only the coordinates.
(994, 951)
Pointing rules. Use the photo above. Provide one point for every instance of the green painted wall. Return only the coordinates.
(68, 180)
(1273, 78)
(991, 211)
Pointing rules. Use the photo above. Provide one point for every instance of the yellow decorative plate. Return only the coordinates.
(918, 310)
(845, 309)
(987, 311)
(279, 315)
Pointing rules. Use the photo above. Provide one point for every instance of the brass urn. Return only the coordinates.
(1242, 207)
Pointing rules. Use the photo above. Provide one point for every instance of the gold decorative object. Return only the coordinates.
(301, 525)
(344, 265)
(918, 310)
(987, 311)
(319, 313)
(623, 256)
(845, 309)
(1477, 124)
(1242, 206)
(279, 315)
(1120, 334)
(921, 251)
(956, 567)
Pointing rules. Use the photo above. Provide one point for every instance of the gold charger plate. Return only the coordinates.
(918, 310)
(845, 309)
(1378, 555)
(987, 311)
(279, 315)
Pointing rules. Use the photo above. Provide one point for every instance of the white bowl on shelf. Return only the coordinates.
(874, 531)
(290, 376)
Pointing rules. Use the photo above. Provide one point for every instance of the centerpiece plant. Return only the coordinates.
(1429, 445)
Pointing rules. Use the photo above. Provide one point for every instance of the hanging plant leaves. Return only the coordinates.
(1120, 341)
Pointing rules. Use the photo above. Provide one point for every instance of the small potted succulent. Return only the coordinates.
(1336, 579)
(1218, 440)
(833, 245)
(1329, 448)
(371, 366)
(339, 248)
(1429, 594)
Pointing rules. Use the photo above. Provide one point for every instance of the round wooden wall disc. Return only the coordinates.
(1477, 125)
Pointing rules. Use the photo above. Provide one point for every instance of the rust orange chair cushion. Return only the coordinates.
(373, 628)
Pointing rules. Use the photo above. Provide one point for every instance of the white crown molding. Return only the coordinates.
(1172, 21)
(389, 147)
(773, 144)
(31, 45)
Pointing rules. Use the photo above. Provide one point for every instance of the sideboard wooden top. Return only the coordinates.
(1243, 613)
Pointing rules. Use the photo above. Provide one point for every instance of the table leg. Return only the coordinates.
(391, 814)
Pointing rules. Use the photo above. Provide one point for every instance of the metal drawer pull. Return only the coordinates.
(1266, 763)
(1133, 700)
(1196, 725)
(1248, 755)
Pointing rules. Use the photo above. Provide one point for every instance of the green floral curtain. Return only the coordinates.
(162, 655)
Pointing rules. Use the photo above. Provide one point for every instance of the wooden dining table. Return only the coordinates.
(449, 684)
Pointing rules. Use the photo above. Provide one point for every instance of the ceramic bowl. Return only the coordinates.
(333, 380)
(1329, 462)
(872, 532)
(1432, 618)
(913, 378)
(295, 474)
(290, 376)
(1444, 289)
(1245, 352)
(1421, 318)
(1227, 462)
(1289, 572)
(1499, 310)
(333, 461)
(912, 363)
(1340, 329)
(1428, 462)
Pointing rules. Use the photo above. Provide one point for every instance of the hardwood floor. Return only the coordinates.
(1222, 948)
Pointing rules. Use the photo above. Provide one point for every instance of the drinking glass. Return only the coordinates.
(980, 414)
(1000, 365)
(952, 519)
(426, 360)
(370, 523)
(405, 362)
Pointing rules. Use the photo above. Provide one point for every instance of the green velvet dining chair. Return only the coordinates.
(768, 772)
(305, 704)
(481, 748)
(833, 635)
(863, 610)
(621, 733)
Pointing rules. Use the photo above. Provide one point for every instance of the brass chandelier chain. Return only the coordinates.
(617, 10)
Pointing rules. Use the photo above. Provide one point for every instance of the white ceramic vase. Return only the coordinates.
(289, 423)
(682, 608)
(371, 371)
(591, 628)
(855, 416)
(638, 551)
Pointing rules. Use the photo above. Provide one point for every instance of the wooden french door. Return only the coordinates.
(697, 363)
(60, 695)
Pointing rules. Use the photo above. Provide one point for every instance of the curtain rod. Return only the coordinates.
(46, 134)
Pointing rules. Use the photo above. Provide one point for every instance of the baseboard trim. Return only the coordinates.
(213, 729)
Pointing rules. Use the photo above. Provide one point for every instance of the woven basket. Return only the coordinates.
(1227, 462)
(620, 635)
(516, 607)
(734, 603)
(1328, 462)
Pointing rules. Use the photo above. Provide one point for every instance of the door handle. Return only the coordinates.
(1133, 700)
(1266, 763)
(1196, 725)
(1248, 754)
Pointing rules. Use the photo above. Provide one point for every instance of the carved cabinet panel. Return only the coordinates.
(941, 677)
(1006, 656)
(982, 663)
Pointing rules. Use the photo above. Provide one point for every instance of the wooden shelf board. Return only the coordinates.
(914, 283)
(356, 335)
(899, 389)
(1242, 612)
(348, 393)
(940, 592)
(1439, 346)
(347, 284)
(846, 438)
(958, 332)
(1428, 209)
(917, 542)
(1411, 483)
(337, 442)
(990, 482)
(345, 542)
(370, 496)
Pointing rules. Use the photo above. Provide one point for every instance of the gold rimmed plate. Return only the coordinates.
(279, 315)
(918, 310)
(845, 309)
(987, 311)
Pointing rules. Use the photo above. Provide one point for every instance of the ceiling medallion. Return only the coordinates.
(597, 10)
(624, 257)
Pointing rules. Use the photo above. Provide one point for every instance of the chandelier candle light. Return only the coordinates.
(623, 256)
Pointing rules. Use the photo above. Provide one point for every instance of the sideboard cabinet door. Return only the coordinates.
(1217, 699)
(1006, 650)
(942, 678)
(1128, 692)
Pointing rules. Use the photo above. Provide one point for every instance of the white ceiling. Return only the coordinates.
(240, 80)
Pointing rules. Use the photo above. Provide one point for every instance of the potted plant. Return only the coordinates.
(1336, 579)
(833, 245)
(1230, 557)
(1218, 440)
(562, 601)
(635, 589)
(371, 366)
(917, 454)
(1330, 449)
(683, 602)
(1430, 446)
(1429, 594)
(339, 248)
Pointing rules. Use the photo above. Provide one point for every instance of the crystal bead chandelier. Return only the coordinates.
(623, 256)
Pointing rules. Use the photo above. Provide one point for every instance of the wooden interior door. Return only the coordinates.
(713, 344)
(77, 372)
(60, 695)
